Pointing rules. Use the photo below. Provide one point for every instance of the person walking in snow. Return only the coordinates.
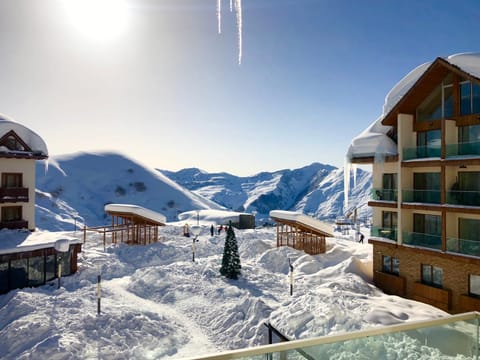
(211, 230)
(361, 238)
(220, 228)
(186, 231)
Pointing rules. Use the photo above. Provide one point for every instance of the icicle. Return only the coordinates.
(346, 183)
(238, 9)
(231, 5)
(354, 170)
(219, 16)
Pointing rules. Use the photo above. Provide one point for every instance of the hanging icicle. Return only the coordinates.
(219, 16)
(354, 170)
(231, 5)
(238, 9)
(346, 183)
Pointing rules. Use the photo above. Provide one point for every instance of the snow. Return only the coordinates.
(302, 219)
(15, 241)
(34, 141)
(208, 217)
(157, 303)
(136, 210)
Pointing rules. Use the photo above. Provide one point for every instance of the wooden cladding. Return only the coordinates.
(300, 239)
(441, 298)
(391, 284)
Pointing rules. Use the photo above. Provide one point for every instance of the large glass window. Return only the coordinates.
(427, 224)
(11, 213)
(469, 98)
(50, 267)
(439, 104)
(474, 285)
(429, 143)
(469, 188)
(3, 276)
(426, 187)
(432, 275)
(389, 187)
(12, 180)
(36, 270)
(18, 273)
(390, 265)
(65, 261)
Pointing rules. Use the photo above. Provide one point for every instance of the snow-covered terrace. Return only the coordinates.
(303, 221)
(136, 211)
(17, 241)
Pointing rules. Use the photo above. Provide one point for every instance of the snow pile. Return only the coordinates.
(136, 210)
(34, 141)
(157, 303)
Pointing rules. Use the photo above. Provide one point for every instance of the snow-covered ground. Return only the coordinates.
(157, 303)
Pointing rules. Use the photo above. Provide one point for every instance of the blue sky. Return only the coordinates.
(166, 89)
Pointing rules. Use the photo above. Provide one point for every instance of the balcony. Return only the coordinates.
(463, 197)
(384, 194)
(383, 232)
(13, 195)
(422, 240)
(420, 152)
(14, 224)
(465, 148)
(422, 196)
(463, 246)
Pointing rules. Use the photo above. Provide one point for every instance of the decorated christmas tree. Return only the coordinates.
(231, 259)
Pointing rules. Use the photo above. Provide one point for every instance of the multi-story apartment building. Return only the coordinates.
(26, 259)
(425, 151)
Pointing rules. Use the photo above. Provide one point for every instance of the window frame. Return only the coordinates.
(16, 177)
(470, 292)
(431, 271)
(391, 266)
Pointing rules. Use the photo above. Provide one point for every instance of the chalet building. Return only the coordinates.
(425, 151)
(26, 259)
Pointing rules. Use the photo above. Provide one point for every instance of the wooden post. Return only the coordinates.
(84, 233)
(99, 279)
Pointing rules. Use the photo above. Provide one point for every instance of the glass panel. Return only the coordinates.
(65, 261)
(386, 263)
(447, 101)
(18, 273)
(474, 285)
(418, 223)
(465, 98)
(427, 274)
(437, 276)
(4, 276)
(468, 229)
(396, 266)
(476, 99)
(36, 271)
(50, 271)
(433, 225)
(431, 108)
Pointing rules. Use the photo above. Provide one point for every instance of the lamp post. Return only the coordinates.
(291, 276)
(61, 246)
(195, 232)
(198, 217)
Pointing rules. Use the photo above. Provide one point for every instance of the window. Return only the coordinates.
(439, 104)
(426, 187)
(389, 192)
(469, 98)
(12, 180)
(427, 224)
(432, 275)
(474, 285)
(18, 273)
(429, 143)
(36, 270)
(469, 188)
(390, 265)
(11, 213)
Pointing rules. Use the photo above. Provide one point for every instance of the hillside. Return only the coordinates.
(315, 189)
(79, 186)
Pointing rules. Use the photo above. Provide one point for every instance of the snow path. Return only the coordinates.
(117, 289)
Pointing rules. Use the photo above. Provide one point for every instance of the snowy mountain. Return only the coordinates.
(75, 188)
(316, 189)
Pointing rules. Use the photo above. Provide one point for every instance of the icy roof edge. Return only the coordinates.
(136, 210)
(304, 219)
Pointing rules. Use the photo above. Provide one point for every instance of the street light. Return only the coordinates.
(61, 246)
(198, 217)
(195, 232)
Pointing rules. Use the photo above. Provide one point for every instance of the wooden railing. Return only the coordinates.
(13, 195)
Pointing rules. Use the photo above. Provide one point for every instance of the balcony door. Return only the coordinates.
(426, 187)
(428, 230)
(469, 188)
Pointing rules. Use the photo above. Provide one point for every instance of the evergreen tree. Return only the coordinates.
(231, 259)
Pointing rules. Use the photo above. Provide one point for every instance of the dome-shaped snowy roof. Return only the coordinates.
(32, 139)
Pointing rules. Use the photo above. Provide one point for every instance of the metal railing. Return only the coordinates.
(422, 240)
(419, 152)
(411, 339)
(422, 196)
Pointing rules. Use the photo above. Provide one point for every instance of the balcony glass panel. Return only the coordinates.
(469, 198)
(384, 232)
(384, 194)
(463, 246)
(422, 196)
(420, 152)
(423, 240)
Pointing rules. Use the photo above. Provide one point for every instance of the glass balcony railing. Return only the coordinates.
(423, 240)
(422, 196)
(411, 340)
(384, 194)
(387, 233)
(461, 197)
(420, 152)
(463, 246)
(466, 148)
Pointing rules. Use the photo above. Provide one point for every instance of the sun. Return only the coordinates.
(97, 19)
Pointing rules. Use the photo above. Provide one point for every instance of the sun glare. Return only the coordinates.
(97, 19)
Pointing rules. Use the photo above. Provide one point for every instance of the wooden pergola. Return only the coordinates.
(301, 236)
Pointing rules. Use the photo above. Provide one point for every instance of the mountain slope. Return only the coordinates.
(83, 183)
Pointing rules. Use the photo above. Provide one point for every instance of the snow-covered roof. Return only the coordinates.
(300, 218)
(136, 210)
(373, 141)
(16, 241)
(32, 139)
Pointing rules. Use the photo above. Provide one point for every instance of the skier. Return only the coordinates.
(361, 238)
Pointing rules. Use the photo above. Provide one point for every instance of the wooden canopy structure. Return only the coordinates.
(131, 224)
(301, 232)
